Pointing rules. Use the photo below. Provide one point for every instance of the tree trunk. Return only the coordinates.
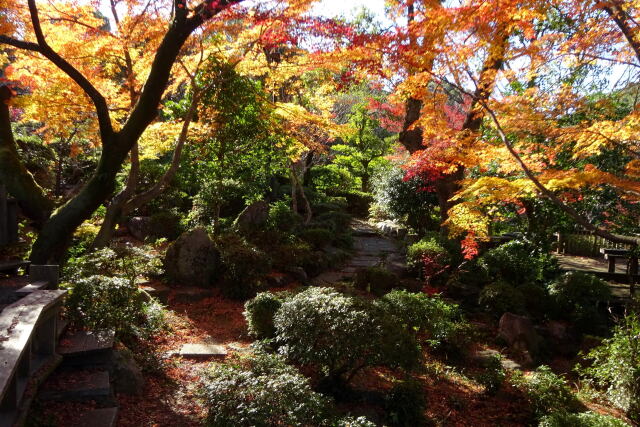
(14, 175)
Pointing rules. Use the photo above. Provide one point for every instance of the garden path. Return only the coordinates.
(371, 249)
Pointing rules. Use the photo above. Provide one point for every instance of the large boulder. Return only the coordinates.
(520, 334)
(139, 227)
(252, 217)
(192, 259)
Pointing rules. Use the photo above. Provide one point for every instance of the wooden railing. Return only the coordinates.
(582, 243)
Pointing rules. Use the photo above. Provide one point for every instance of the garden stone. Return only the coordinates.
(139, 227)
(252, 217)
(298, 274)
(126, 374)
(192, 259)
(519, 333)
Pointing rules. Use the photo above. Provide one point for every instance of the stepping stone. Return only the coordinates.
(202, 350)
(156, 290)
(32, 287)
(77, 386)
(83, 343)
(103, 417)
(483, 356)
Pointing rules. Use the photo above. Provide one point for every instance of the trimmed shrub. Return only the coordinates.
(340, 335)
(244, 265)
(493, 376)
(585, 419)
(428, 315)
(263, 391)
(577, 296)
(377, 280)
(547, 392)
(358, 202)
(259, 313)
(282, 218)
(317, 237)
(100, 302)
(518, 262)
(335, 221)
(500, 297)
(165, 224)
(405, 404)
(616, 366)
(428, 258)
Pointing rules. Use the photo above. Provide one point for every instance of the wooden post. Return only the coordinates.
(561, 243)
(46, 273)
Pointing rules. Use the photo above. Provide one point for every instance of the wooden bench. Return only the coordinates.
(28, 336)
(612, 255)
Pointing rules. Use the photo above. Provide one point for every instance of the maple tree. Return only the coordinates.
(117, 138)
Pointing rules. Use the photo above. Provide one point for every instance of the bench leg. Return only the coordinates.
(612, 265)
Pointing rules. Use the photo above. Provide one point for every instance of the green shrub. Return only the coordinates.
(335, 221)
(282, 218)
(377, 280)
(263, 391)
(577, 296)
(616, 366)
(100, 302)
(500, 297)
(516, 262)
(340, 335)
(429, 315)
(121, 260)
(259, 313)
(166, 224)
(358, 202)
(585, 419)
(317, 237)
(428, 257)
(353, 422)
(548, 392)
(244, 265)
(537, 300)
(493, 375)
(405, 405)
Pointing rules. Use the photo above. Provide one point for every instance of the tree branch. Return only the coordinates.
(615, 238)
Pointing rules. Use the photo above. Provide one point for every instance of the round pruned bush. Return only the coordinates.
(500, 297)
(547, 392)
(262, 391)
(578, 296)
(282, 218)
(584, 419)
(259, 313)
(340, 335)
(615, 366)
(317, 237)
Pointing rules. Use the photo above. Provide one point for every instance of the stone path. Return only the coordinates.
(371, 249)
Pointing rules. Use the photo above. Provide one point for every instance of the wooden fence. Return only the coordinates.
(583, 243)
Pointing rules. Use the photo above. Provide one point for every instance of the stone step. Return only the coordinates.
(202, 350)
(32, 287)
(83, 343)
(77, 386)
(156, 290)
(102, 417)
